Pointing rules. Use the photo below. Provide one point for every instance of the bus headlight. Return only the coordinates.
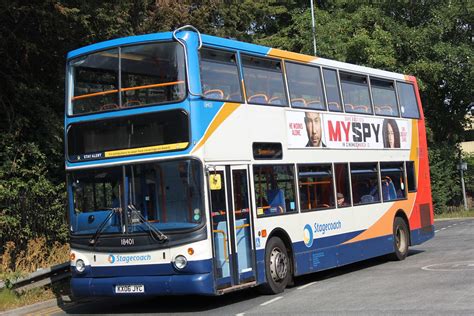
(80, 265)
(180, 262)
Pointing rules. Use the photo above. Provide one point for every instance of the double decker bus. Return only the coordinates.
(203, 165)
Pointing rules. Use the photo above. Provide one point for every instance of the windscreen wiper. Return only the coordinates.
(135, 216)
(99, 230)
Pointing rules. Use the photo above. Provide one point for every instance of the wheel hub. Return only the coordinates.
(278, 264)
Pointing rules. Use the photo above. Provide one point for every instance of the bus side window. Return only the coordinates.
(365, 183)
(274, 189)
(355, 91)
(385, 99)
(219, 75)
(332, 90)
(304, 83)
(411, 177)
(408, 103)
(343, 194)
(316, 187)
(263, 79)
(393, 181)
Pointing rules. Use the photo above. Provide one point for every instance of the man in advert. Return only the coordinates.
(312, 121)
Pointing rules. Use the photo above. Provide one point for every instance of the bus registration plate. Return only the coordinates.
(132, 288)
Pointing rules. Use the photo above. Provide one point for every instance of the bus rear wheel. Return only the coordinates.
(400, 239)
(277, 267)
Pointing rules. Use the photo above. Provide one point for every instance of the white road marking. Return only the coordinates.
(271, 301)
(306, 285)
(443, 228)
(240, 314)
(436, 231)
(454, 224)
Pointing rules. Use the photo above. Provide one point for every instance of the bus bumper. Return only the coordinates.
(154, 285)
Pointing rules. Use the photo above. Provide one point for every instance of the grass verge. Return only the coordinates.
(10, 299)
(459, 213)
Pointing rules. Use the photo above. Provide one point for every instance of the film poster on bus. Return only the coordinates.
(345, 131)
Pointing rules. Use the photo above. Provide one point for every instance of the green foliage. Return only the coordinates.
(445, 183)
(429, 39)
(469, 173)
(31, 205)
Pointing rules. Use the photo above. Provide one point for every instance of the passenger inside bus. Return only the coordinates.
(341, 201)
(388, 189)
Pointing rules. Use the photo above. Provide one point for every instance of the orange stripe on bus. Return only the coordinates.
(290, 55)
(415, 146)
(223, 114)
(384, 225)
(83, 96)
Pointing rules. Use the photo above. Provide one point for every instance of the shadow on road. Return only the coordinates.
(323, 275)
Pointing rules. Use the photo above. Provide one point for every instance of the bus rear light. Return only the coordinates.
(264, 233)
(72, 256)
(190, 251)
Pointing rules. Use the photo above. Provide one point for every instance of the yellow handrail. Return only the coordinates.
(226, 256)
(242, 226)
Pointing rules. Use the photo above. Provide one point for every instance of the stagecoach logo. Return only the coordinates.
(308, 235)
(120, 259)
(111, 259)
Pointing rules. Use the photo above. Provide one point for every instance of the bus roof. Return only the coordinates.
(241, 46)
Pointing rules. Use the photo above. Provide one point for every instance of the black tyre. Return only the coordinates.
(401, 239)
(277, 267)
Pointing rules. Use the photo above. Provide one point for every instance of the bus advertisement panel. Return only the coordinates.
(342, 131)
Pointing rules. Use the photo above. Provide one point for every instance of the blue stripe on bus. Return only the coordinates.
(421, 235)
(120, 41)
(233, 44)
(207, 39)
(338, 254)
(154, 285)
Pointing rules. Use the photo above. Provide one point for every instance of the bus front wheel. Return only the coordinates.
(277, 267)
(400, 239)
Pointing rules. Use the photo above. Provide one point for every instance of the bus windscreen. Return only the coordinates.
(130, 76)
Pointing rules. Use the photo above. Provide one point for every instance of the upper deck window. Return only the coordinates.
(304, 83)
(355, 91)
(408, 104)
(263, 81)
(385, 100)
(150, 74)
(95, 81)
(332, 90)
(220, 75)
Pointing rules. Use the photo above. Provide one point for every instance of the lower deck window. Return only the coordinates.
(365, 183)
(316, 187)
(343, 194)
(393, 181)
(275, 189)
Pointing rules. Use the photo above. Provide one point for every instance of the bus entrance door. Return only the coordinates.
(232, 225)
